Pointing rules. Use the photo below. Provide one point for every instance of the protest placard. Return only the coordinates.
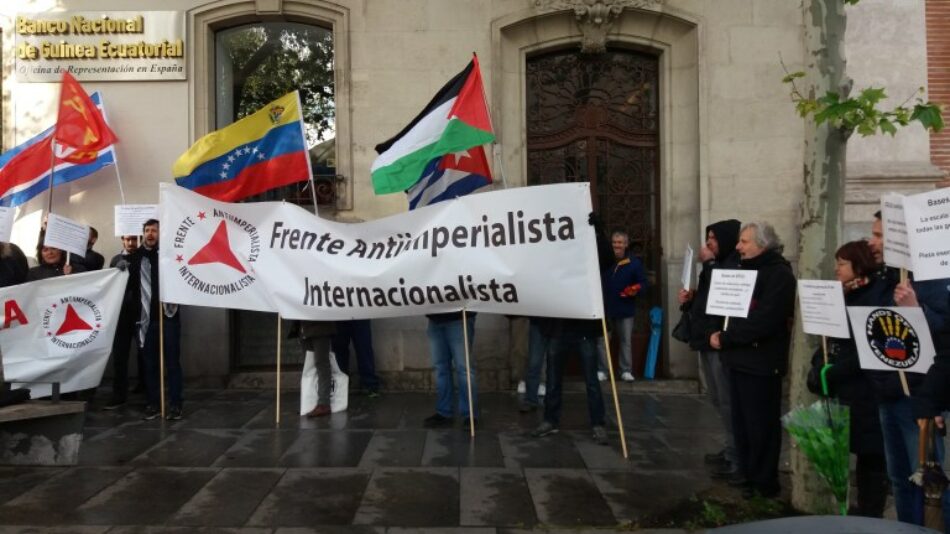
(928, 232)
(521, 251)
(822, 307)
(730, 292)
(66, 234)
(892, 339)
(129, 218)
(6, 223)
(687, 278)
(894, 226)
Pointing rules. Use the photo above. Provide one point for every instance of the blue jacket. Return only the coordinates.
(624, 272)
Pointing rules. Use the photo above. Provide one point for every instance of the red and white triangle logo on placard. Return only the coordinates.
(218, 250)
(72, 322)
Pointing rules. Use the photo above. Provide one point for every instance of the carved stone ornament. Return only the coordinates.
(594, 17)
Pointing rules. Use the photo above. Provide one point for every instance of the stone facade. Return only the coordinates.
(731, 144)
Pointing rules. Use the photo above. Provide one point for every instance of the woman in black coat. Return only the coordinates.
(52, 263)
(854, 268)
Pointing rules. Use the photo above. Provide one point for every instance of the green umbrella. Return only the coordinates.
(822, 431)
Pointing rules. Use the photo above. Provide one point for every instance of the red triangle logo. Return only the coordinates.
(72, 322)
(470, 106)
(218, 250)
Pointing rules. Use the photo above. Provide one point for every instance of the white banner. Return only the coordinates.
(894, 226)
(822, 306)
(66, 234)
(892, 339)
(730, 292)
(523, 251)
(928, 233)
(129, 218)
(60, 330)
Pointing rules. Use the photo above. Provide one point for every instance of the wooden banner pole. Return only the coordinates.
(161, 354)
(277, 412)
(613, 388)
(468, 375)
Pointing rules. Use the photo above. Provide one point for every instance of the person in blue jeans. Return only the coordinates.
(447, 346)
(538, 345)
(572, 336)
(898, 421)
(360, 332)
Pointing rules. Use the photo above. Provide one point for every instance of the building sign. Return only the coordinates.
(114, 45)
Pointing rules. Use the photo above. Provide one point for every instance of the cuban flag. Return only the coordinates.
(25, 169)
(450, 176)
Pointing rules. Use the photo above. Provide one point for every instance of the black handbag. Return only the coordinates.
(681, 330)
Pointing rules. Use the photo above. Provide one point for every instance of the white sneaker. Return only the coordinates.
(627, 377)
(521, 387)
(541, 390)
(601, 376)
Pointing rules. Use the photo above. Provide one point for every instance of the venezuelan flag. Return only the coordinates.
(262, 151)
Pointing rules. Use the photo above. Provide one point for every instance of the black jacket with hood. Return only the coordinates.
(701, 325)
(758, 344)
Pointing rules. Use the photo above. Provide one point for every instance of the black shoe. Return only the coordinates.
(174, 414)
(436, 420)
(114, 404)
(715, 458)
(151, 412)
(527, 407)
(724, 473)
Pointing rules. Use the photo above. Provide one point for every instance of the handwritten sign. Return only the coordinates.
(66, 234)
(928, 233)
(822, 307)
(129, 218)
(687, 277)
(892, 339)
(730, 292)
(896, 246)
(6, 223)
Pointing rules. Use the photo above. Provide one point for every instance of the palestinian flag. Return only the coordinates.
(454, 121)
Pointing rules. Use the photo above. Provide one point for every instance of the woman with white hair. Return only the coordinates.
(755, 351)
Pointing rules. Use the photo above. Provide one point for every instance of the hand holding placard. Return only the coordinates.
(822, 308)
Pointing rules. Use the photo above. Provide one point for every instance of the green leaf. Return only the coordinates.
(929, 116)
(887, 127)
(873, 95)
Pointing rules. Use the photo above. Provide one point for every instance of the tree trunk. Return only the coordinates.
(821, 212)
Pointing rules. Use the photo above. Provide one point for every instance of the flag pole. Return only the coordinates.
(613, 388)
(496, 154)
(52, 170)
(468, 375)
(115, 159)
(277, 412)
(161, 355)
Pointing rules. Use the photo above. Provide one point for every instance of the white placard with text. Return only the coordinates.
(730, 292)
(6, 223)
(822, 307)
(66, 234)
(928, 232)
(129, 218)
(892, 339)
(896, 246)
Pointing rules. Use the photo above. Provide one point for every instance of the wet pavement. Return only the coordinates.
(228, 467)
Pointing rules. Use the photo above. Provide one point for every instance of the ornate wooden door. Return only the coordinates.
(595, 118)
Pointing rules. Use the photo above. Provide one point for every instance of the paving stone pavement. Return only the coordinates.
(228, 467)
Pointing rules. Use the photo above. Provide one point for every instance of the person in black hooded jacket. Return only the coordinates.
(720, 251)
(754, 349)
(855, 268)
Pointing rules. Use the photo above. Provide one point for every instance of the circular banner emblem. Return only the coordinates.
(892, 339)
(222, 265)
(72, 322)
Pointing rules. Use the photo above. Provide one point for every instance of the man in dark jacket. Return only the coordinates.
(720, 251)
(755, 351)
(125, 330)
(622, 281)
(897, 406)
(143, 277)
